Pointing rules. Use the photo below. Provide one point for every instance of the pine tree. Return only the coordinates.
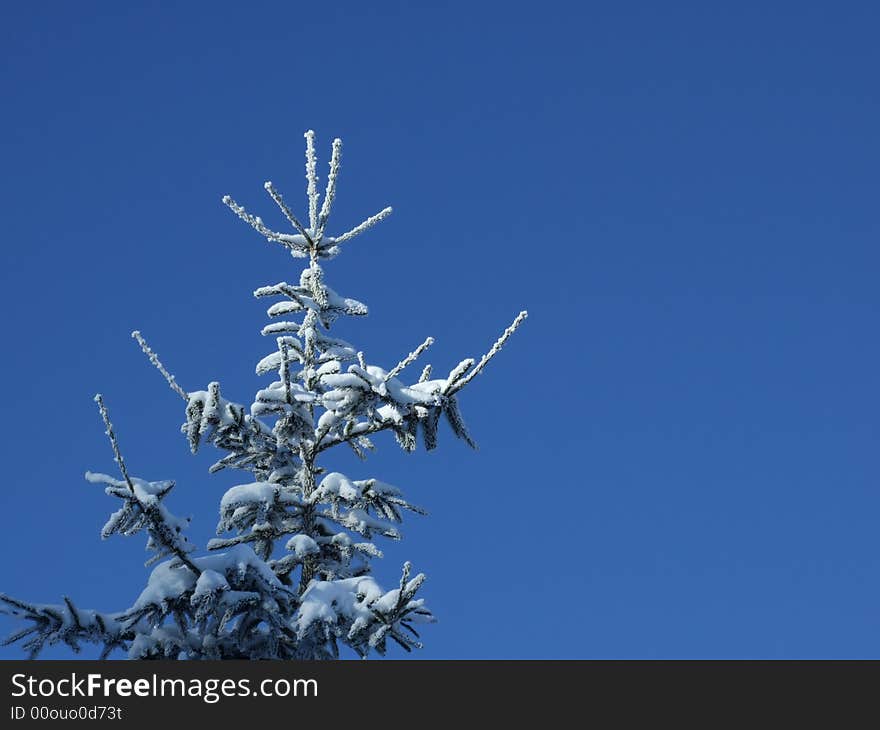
(292, 578)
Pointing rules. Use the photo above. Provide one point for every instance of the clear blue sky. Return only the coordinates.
(679, 450)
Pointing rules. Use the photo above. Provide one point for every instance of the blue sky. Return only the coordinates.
(678, 450)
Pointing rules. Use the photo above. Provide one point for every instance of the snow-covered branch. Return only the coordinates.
(457, 384)
(288, 213)
(142, 507)
(52, 624)
(154, 358)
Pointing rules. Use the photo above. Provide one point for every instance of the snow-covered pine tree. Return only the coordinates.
(292, 579)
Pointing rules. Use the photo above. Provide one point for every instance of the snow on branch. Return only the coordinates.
(312, 178)
(455, 386)
(117, 456)
(154, 358)
(409, 359)
(142, 507)
(288, 213)
(330, 192)
(67, 624)
(297, 245)
(361, 227)
(357, 611)
(397, 610)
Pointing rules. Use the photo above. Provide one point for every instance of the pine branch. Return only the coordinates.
(361, 227)
(158, 527)
(279, 201)
(454, 387)
(409, 359)
(374, 427)
(460, 369)
(117, 456)
(53, 624)
(330, 192)
(257, 224)
(285, 369)
(312, 177)
(154, 358)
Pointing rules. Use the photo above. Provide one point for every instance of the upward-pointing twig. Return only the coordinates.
(117, 456)
(409, 359)
(361, 227)
(288, 213)
(154, 358)
(256, 223)
(456, 386)
(312, 177)
(150, 511)
(285, 370)
(330, 192)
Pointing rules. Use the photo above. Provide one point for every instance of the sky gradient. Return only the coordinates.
(678, 450)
